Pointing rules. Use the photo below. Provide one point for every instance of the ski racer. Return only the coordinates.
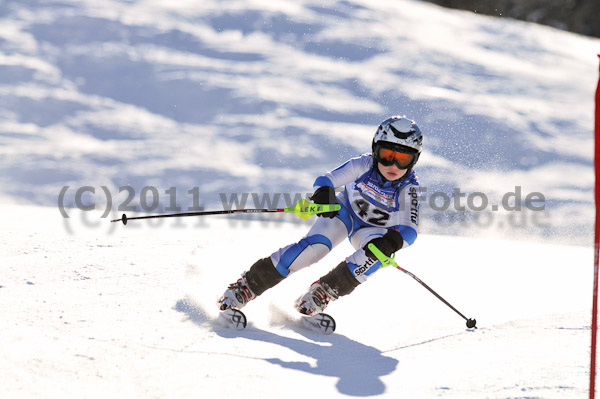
(379, 204)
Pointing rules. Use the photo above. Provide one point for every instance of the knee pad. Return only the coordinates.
(301, 254)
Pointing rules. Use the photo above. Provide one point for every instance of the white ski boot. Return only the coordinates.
(315, 300)
(237, 295)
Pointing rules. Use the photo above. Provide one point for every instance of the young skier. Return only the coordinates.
(379, 205)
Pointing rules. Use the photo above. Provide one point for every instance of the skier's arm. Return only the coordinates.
(408, 234)
(325, 185)
(389, 243)
(408, 217)
(325, 195)
(346, 173)
(392, 241)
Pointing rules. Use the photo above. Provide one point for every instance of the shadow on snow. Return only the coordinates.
(358, 367)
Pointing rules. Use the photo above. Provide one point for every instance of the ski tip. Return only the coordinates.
(233, 318)
(320, 322)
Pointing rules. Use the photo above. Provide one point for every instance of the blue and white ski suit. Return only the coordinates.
(370, 206)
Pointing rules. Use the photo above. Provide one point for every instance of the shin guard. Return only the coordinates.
(262, 276)
(339, 281)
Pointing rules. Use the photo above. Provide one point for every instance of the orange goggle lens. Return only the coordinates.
(401, 159)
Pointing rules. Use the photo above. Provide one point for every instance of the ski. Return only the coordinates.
(233, 318)
(320, 322)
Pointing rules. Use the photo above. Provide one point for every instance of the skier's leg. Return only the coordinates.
(345, 277)
(267, 272)
(360, 265)
(261, 276)
(338, 282)
(320, 239)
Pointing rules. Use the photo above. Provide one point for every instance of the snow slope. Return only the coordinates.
(260, 97)
(216, 99)
(128, 311)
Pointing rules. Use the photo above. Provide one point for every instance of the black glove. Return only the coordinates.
(388, 244)
(325, 195)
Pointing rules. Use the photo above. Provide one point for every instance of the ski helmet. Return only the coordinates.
(401, 135)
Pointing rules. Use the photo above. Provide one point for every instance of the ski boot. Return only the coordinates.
(315, 300)
(237, 295)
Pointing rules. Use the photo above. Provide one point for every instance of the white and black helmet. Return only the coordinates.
(400, 134)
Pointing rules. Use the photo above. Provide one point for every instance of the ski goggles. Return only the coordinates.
(388, 157)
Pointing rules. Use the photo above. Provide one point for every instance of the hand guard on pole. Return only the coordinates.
(389, 243)
(325, 195)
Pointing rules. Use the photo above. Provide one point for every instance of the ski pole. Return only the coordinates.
(302, 208)
(389, 261)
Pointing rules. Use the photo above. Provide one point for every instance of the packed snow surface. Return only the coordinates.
(129, 311)
(163, 106)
